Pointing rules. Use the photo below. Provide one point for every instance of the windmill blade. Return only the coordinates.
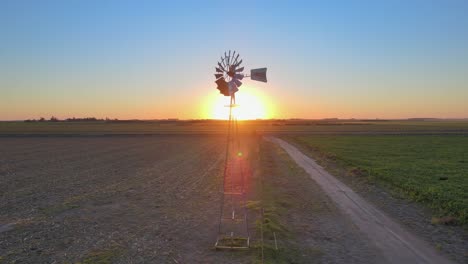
(221, 66)
(232, 68)
(240, 69)
(235, 61)
(224, 92)
(218, 75)
(232, 87)
(218, 70)
(239, 76)
(237, 82)
(232, 84)
(223, 86)
(221, 82)
(222, 61)
(239, 63)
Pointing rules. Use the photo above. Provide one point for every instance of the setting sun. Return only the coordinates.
(251, 104)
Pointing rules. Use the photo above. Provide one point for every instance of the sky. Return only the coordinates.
(156, 59)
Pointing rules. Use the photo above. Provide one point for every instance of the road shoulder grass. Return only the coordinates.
(306, 224)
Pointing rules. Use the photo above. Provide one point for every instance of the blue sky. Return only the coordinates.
(151, 59)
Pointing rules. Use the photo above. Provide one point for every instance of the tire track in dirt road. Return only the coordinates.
(397, 244)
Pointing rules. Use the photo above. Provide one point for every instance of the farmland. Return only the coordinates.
(119, 192)
(218, 127)
(156, 199)
(144, 199)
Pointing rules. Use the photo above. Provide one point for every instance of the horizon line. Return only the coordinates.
(92, 119)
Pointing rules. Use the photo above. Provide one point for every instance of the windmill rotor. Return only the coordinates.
(229, 74)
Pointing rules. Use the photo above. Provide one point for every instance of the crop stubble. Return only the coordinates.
(69, 199)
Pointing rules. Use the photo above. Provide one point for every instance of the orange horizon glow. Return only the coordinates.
(256, 101)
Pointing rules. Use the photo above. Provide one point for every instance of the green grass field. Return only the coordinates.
(431, 169)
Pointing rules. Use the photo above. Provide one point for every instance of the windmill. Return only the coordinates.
(233, 232)
(229, 75)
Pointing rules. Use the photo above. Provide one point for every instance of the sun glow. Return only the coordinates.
(250, 105)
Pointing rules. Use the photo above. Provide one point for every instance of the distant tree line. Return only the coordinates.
(73, 119)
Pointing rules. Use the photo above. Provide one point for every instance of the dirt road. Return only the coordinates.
(396, 244)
